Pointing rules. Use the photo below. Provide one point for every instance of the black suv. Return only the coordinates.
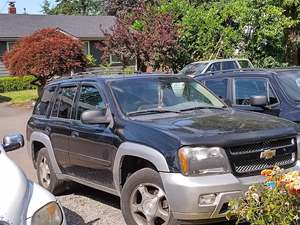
(271, 92)
(165, 144)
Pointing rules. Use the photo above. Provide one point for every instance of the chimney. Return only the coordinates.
(12, 7)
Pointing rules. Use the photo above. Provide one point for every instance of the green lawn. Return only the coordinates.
(19, 97)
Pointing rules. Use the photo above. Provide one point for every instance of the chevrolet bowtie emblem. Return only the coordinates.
(268, 154)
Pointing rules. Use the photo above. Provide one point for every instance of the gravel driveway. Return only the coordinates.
(82, 205)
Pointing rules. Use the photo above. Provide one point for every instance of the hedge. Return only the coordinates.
(16, 83)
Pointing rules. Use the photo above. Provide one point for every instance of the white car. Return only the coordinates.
(23, 202)
(197, 68)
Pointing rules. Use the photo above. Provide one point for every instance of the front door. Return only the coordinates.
(92, 149)
(245, 88)
(58, 127)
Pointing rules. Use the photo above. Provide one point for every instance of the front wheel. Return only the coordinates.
(46, 175)
(144, 201)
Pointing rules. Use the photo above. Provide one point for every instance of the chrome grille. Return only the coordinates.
(246, 159)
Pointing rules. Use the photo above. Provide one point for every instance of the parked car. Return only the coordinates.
(211, 66)
(271, 92)
(165, 144)
(22, 201)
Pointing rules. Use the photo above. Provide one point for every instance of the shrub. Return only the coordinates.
(274, 202)
(16, 83)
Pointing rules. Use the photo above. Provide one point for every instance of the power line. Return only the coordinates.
(5, 4)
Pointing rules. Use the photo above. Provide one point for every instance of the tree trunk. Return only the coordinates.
(141, 67)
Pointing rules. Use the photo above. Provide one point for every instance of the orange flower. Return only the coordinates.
(266, 173)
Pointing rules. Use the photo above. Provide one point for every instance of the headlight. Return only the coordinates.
(298, 146)
(202, 161)
(48, 215)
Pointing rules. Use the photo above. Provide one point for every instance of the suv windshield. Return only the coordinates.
(162, 95)
(193, 68)
(290, 82)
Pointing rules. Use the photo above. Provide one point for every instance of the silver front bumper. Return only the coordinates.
(183, 193)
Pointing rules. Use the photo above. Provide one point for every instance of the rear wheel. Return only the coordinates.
(144, 201)
(46, 175)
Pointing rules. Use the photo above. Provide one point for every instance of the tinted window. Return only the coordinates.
(219, 87)
(89, 99)
(63, 105)
(229, 65)
(245, 88)
(43, 104)
(214, 67)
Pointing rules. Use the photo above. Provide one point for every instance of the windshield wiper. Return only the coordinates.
(202, 107)
(151, 111)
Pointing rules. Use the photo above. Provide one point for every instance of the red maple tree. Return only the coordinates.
(45, 54)
(146, 35)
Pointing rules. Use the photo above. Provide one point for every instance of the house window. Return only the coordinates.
(86, 48)
(10, 45)
(115, 59)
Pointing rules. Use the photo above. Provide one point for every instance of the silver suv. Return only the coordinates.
(202, 67)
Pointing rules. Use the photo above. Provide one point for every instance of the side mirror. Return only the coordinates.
(260, 101)
(12, 142)
(97, 116)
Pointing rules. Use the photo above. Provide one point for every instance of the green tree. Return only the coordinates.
(233, 28)
(74, 7)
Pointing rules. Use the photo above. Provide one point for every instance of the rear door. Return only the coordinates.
(92, 146)
(58, 127)
(245, 88)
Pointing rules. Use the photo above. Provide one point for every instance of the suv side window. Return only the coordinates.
(245, 88)
(218, 86)
(229, 65)
(64, 101)
(43, 104)
(214, 67)
(89, 99)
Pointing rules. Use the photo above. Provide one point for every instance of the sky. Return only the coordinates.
(32, 6)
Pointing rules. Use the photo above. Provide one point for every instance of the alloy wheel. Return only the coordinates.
(149, 205)
(45, 174)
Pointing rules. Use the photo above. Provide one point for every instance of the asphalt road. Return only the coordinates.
(82, 205)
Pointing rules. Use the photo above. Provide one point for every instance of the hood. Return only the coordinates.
(13, 191)
(212, 127)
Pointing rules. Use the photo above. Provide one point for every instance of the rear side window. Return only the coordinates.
(44, 102)
(229, 65)
(89, 99)
(64, 101)
(219, 87)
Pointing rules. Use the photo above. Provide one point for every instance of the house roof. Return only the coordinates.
(83, 27)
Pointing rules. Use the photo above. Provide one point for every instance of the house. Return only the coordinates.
(88, 29)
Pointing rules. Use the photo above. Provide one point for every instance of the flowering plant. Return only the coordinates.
(274, 202)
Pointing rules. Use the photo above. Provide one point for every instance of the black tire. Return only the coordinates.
(55, 185)
(143, 176)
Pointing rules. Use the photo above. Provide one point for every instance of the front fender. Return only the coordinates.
(45, 140)
(141, 151)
